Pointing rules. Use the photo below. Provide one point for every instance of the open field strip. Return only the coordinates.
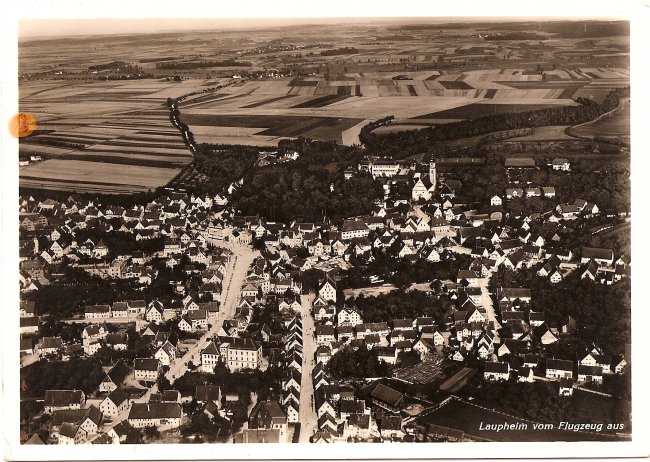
(91, 172)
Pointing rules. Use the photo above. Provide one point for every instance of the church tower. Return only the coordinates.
(432, 173)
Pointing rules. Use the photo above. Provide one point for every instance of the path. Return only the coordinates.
(307, 411)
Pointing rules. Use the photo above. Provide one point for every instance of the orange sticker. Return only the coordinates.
(22, 124)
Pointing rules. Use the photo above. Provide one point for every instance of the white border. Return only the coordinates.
(635, 10)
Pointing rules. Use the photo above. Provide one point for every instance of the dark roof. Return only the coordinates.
(155, 411)
(593, 252)
(520, 162)
(496, 367)
(147, 364)
(560, 364)
(387, 395)
(207, 392)
(63, 397)
(69, 430)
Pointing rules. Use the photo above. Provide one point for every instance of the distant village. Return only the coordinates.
(242, 299)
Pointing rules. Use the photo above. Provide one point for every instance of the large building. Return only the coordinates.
(155, 414)
(242, 353)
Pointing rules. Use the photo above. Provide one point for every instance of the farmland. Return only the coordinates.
(104, 98)
(112, 128)
(87, 176)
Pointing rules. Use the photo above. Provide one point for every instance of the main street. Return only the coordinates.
(235, 275)
(307, 411)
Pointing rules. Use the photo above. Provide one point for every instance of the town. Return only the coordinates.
(186, 321)
(391, 231)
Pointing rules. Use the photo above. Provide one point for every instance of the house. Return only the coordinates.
(387, 398)
(349, 317)
(116, 402)
(390, 427)
(242, 353)
(166, 354)
(146, 369)
(257, 435)
(63, 399)
(207, 393)
(97, 312)
(327, 290)
(590, 374)
(155, 414)
(49, 346)
(325, 334)
(496, 371)
(114, 377)
(558, 369)
(496, 201)
(565, 387)
(599, 255)
(269, 415)
(352, 229)
(561, 164)
(520, 162)
(71, 434)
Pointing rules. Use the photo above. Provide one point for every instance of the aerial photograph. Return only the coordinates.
(361, 231)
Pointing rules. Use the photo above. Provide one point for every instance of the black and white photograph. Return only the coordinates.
(233, 231)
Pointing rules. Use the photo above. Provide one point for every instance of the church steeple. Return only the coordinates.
(432, 172)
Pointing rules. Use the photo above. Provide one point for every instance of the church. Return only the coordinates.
(425, 185)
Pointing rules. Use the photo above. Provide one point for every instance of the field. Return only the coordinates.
(615, 124)
(103, 98)
(115, 127)
(468, 418)
(340, 105)
(86, 176)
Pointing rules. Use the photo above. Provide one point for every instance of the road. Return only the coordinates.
(307, 411)
(235, 275)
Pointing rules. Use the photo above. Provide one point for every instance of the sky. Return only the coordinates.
(57, 18)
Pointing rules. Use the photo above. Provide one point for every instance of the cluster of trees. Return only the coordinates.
(539, 401)
(75, 374)
(400, 272)
(340, 51)
(309, 188)
(223, 165)
(601, 312)
(202, 64)
(399, 304)
(362, 363)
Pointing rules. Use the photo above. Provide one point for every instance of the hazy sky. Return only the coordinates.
(43, 18)
(33, 28)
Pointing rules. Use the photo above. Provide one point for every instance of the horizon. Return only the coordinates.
(32, 29)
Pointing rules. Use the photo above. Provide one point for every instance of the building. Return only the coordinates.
(354, 229)
(496, 371)
(559, 369)
(146, 369)
(269, 415)
(387, 398)
(63, 399)
(243, 353)
(155, 414)
(327, 290)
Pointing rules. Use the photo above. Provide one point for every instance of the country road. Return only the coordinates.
(235, 275)
(308, 418)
